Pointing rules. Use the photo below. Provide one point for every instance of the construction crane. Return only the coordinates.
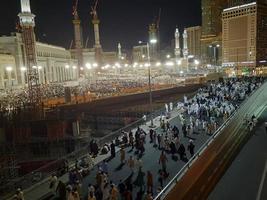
(158, 28)
(93, 10)
(75, 10)
(96, 21)
(27, 24)
(78, 41)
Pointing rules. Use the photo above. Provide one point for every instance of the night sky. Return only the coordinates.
(124, 21)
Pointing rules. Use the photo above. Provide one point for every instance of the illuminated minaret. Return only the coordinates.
(185, 49)
(177, 50)
(119, 51)
(78, 37)
(27, 24)
(96, 22)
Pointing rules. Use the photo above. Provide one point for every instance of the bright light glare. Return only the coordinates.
(153, 41)
(67, 66)
(95, 65)
(107, 66)
(88, 66)
(168, 56)
(23, 69)
(158, 64)
(169, 64)
(74, 67)
(147, 64)
(191, 56)
(196, 62)
(9, 68)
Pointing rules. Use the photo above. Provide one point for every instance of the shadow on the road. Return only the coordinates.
(192, 138)
(175, 158)
(184, 159)
(119, 167)
(130, 151)
(109, 159)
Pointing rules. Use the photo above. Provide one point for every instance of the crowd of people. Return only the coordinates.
(202, 114)
(10, 99)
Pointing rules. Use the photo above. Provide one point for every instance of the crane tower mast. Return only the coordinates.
(27, 25)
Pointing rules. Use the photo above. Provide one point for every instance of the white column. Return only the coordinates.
(177, 43)
(185, 51)
(119, 51)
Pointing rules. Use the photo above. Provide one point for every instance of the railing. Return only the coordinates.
(186, 167)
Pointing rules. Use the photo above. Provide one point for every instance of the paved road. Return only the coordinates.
(150, 161)
(243, 179)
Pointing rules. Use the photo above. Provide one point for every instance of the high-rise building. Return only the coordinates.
(239, 2)
(211, 30)
(193, 40)
(245, 37)
(211, 16)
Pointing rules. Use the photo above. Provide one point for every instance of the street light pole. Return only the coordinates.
(149, 85)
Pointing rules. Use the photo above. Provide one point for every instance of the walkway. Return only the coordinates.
(150, 162)
(246, 178)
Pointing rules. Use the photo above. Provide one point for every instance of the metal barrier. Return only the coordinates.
(237, 113)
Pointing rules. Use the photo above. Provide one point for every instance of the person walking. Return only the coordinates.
(139, 181)
(131, 140)
(105, 190)
(131, 163)
(61, 190)
(91, 196)
(159, 140)
(53, 184)
(138, 163)
(104, 167)
(75, 194)
(149, 181)
(181, 151)
(163, 161)
(19, 195)
(184, 129)
(191, 148)
(122, 152)
(122, 188)
(112, 150)
(168, 126)
(114, 193)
